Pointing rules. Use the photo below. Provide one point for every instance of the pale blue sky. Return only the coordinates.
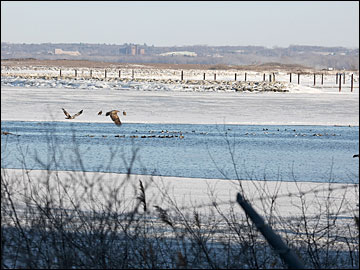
(263, 23)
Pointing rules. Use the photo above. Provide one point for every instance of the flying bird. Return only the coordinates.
(114, 117)
(68, 116)
(357, 155)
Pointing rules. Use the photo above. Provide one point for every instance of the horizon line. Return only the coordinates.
(199, 45)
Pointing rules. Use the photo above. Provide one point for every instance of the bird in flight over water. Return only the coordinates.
(357, 155)
(115, 117)
(68, 116)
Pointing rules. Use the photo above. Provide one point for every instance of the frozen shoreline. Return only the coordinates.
(161, 98)
(192, 193)
(42, 104)
(164, 100)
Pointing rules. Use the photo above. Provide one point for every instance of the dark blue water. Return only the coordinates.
(302, 153)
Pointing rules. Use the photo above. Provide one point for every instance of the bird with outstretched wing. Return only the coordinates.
(114, 117)
(68, 116)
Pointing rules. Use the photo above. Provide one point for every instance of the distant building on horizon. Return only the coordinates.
(132, 50)
(179, 53)
(73, 53)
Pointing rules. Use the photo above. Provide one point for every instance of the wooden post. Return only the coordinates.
(274, 77)
(90, 73)
(322, 78)
(60, 72)
(344, 78)
(235, 77)
(182, 75)
(204, 76)
(132, 74)
(75, 73)
(105, 73)
(119, 73)
(298, 78)
(214, 76)
(290, 76)
(264, 77)
(269, 77)
(340, 82)
(337, 74)
(352, 82)
(245, 76)
(314, 79)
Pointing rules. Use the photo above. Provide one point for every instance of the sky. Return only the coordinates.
(179, 23)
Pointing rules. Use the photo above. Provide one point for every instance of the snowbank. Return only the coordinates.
(199, 193)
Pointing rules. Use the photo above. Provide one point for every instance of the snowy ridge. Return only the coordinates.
(152, 84)
(154, 79)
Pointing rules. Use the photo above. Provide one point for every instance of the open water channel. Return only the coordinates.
(288, 153)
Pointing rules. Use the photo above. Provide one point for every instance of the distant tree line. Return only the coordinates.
(311, 56)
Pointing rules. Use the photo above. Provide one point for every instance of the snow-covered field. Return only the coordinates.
(133, 71)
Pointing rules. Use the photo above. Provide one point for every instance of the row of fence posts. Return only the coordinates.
(338, 78)
(105, 75)
(181, 77)
(271, 77)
